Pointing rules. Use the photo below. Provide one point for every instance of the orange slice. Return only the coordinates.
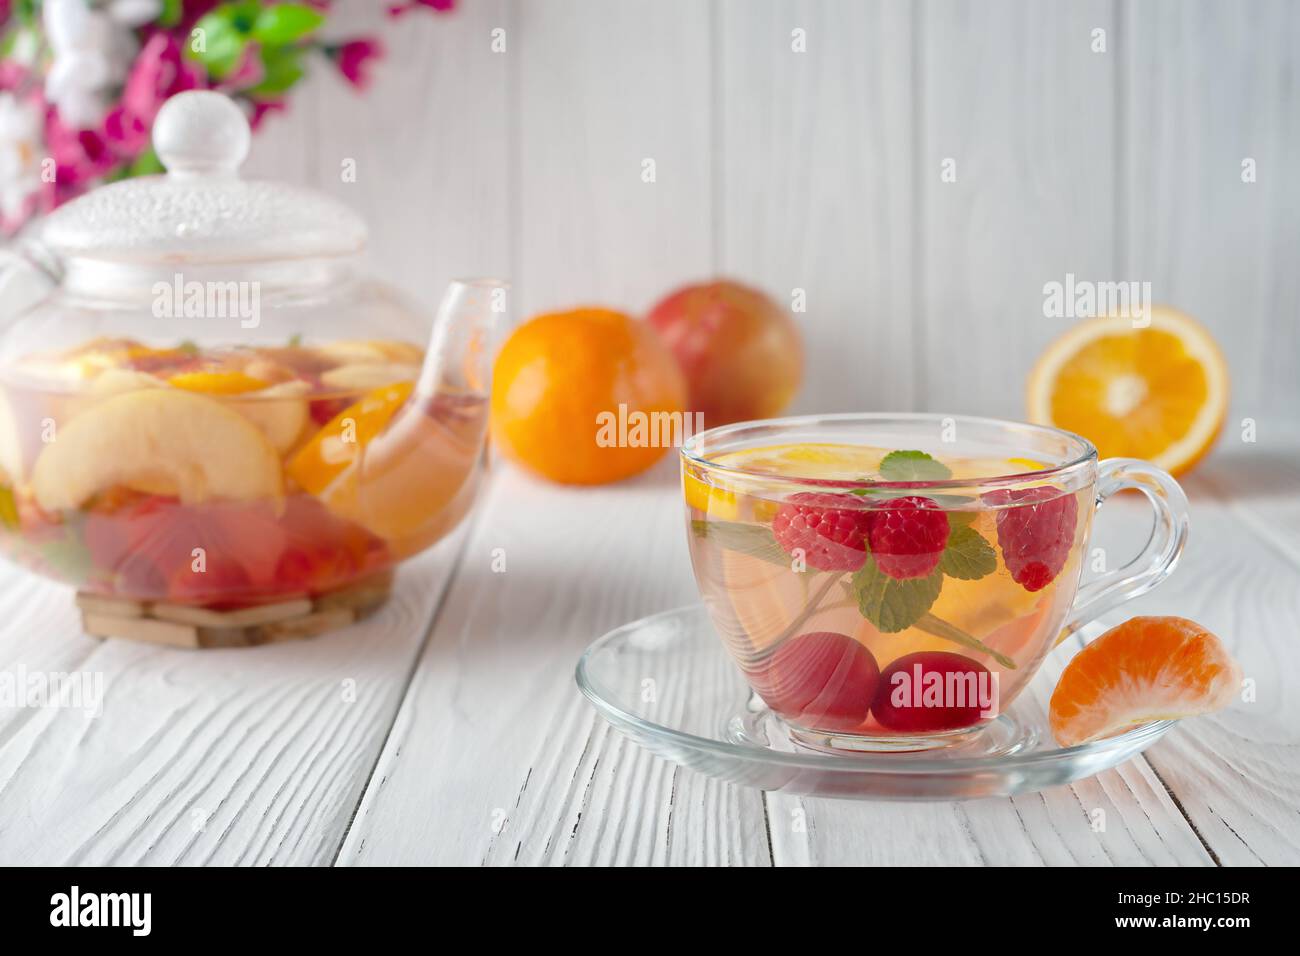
(336, 446)
(824, 460)
(1158, 393)
(217, 382)
(1148, 668)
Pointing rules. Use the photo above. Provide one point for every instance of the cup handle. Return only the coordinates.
(1155, 561)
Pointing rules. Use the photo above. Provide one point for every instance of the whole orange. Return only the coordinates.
(583, 397)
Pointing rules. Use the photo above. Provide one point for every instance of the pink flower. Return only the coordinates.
(263, 108)
(159, 71)
(354, 57)
(439, 6)
(80, 156)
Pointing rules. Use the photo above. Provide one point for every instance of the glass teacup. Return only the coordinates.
(894, 581)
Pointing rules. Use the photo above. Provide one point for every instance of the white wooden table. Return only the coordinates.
(448, 729)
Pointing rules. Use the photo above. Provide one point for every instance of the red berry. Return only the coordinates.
(933, 690)
(907, 536)
(325, 410)
(831, 536)
(1036, 533)
(222, 582)
(821, 680)
(138, 543)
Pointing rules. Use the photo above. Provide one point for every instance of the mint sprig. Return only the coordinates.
(967, 555)
(941, 628)
(913, 466)
(894, 605)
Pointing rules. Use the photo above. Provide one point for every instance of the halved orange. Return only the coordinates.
(1148, 668)
(1158, 392)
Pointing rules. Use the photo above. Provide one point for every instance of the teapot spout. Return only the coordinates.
(417, 479)
(461, 347)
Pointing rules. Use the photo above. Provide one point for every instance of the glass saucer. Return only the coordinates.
(666, 682)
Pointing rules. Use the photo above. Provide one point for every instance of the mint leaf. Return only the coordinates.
(890, 604)
(912, 466)
(284, 23)
(941, 628)
(967, 555)
(751, 539)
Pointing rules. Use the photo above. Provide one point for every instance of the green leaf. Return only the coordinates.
(285, 23)
(146, 164)
(217, 42)
(967, 555)
(912, 466)
(941, 628)
(751, 539)
(890, 604)
(961, 519)
(282, 68)
(171, 13)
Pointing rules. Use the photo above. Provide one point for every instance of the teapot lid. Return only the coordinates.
(201, 211)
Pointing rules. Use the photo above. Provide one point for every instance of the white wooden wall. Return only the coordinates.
(821, 170)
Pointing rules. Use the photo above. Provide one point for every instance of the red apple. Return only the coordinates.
(740, 351)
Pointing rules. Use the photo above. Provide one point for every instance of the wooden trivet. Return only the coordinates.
(181, 625)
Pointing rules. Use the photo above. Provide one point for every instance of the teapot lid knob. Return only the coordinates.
(201, 133)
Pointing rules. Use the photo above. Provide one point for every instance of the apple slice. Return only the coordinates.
(372, 351)
(365, 376)
(157, 437)
(279, 411)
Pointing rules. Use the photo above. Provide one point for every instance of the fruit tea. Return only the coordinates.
(230, 477)
(890, 615)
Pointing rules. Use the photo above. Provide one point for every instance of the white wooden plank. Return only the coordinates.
(495, 757)
(1236, 775)
(602, 89)
(1210, 86)
(1012, 93)
(427, 143)
(245, 756)
(816, 175)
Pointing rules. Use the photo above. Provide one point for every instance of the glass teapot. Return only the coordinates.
(203, 401)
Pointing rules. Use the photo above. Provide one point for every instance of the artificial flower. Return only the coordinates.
(21, 151)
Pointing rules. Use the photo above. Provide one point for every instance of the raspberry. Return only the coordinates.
(907, 536)
(832, 538)
(1036, 534)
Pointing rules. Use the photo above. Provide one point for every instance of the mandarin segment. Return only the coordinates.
(1146, 669)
